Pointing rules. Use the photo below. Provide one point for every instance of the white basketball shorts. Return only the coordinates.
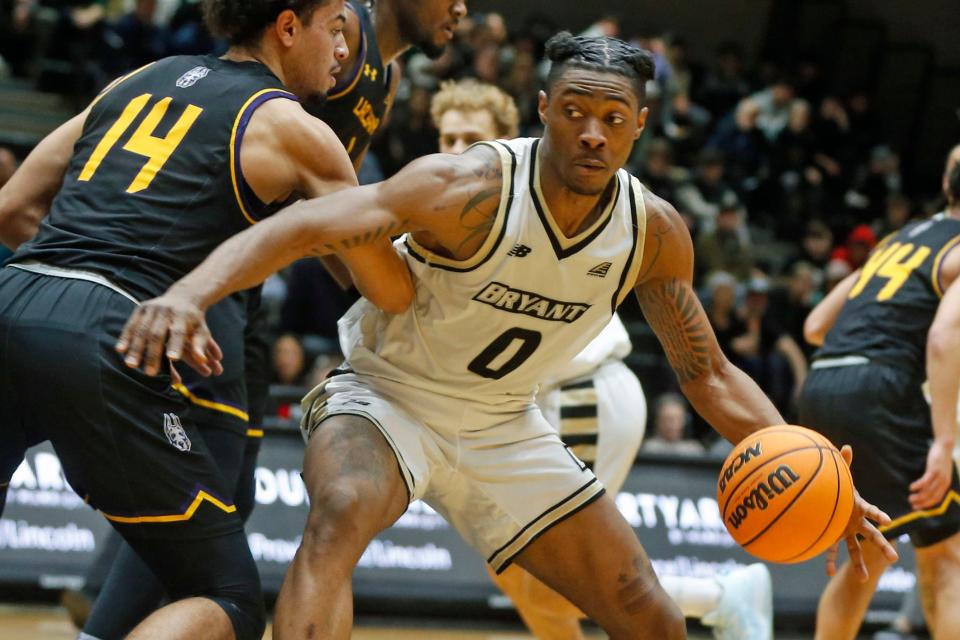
(499, 474)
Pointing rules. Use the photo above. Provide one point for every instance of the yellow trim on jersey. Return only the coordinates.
(116, 82)
(934, 279)
(210, 404)
(927, 513)
(564, 241)
(494, 236)
(177, 517)
(233, 140)
(634, 269)
(254, 433)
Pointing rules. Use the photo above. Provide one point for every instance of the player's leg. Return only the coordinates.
(121, 444)
(131, 591)
(547, 614)
(594, 559)
(355, 492)
(870, 408)
(364, 460)
(938, 573)
(845, 599)
(602, 418)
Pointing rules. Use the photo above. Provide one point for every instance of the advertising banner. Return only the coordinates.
(48, 536)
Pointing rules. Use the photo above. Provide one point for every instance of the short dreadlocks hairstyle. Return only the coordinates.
(600, 54)
(241, 22)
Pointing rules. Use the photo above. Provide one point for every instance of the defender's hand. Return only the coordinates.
(175, 323)
(928, 491)
(861, 524)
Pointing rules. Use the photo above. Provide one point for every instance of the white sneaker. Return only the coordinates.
(745, 611)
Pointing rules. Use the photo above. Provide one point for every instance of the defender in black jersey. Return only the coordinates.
(377, 34)
(163, 166)
(887, 324)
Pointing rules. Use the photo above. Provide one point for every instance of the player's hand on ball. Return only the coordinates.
(861, 524)
(929, 490)
(170, 326)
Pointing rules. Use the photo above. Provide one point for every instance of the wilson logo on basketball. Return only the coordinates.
(745, 456)
(760, 496)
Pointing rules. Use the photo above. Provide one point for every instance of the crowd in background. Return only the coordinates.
(785, 185)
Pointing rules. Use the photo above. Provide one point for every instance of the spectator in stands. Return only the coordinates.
(790, 305)
(792, 161)
(726, 84)
(74, 38)
(743, 144)
(766, 351)
(685, 124)
(704, 195)
(671, 424)
(775, 103)
(836, 271)
(899, 210)
(721, 308)
(135, 39)
(289, 361)
(874, 184)
(658, 171)
(727, 246)
(816, 245)
(860, 243)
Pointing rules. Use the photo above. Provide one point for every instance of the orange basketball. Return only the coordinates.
(785, 494)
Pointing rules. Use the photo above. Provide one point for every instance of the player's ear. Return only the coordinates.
(542, 107)
(641, 122)
(286, 26)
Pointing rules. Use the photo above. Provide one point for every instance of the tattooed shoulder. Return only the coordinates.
(667, 238)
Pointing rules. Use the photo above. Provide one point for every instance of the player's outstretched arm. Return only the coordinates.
(454, 198)
(822, 318)
(726, 397)
(287, 151)
(26, 198)
(943, 372)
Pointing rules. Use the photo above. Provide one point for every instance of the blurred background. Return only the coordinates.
(791, 135)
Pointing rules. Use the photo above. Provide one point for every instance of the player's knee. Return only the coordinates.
(658, 618)
(239, 595)
(335, 516)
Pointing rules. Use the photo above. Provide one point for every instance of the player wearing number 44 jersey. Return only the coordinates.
(438, 402)
(164, 165)
(887, 327)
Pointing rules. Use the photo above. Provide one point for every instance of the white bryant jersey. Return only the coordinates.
(493, 327)
(613, 343)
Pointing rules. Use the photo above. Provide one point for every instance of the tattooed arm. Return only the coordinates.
(449, 197)
(729, 400)
(726, 397)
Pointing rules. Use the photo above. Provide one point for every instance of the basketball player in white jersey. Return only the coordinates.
(438, 401)
(596, 404)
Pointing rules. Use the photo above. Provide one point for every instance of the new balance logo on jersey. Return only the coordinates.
(175, 433)
(519, 251)
(600, 271)
(503, 297)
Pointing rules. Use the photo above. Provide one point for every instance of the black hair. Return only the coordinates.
(601, 54)
(953, 185)
(241, 22)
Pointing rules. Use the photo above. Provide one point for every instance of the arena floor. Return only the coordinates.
(42, 622)
(45, 622)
